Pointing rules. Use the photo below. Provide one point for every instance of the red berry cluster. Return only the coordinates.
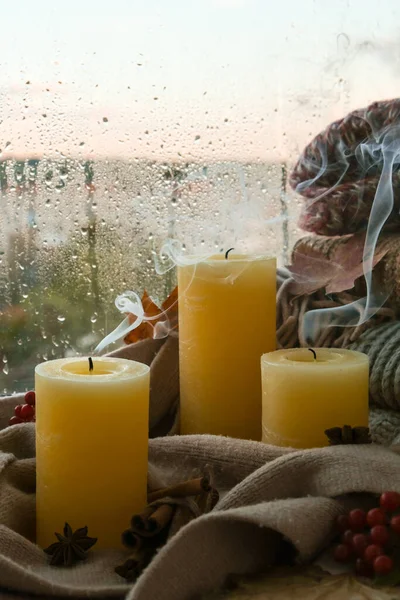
(25, 413)
(369, 538)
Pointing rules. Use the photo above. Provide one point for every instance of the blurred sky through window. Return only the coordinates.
(241, 79)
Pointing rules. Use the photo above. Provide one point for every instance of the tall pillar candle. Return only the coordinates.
(91, 446)
(307, 391)
(226, 322)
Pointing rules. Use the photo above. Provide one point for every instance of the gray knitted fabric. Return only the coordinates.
(385, 426)
(382, 344)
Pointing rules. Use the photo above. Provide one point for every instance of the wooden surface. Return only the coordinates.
(297, 584)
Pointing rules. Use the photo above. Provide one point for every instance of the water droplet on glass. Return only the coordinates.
(6, 369)
(61, 318)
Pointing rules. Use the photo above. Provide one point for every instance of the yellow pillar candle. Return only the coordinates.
(91, 446)
(304, 395)
(226, 322)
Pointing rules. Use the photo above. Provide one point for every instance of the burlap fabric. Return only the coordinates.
(270, 497)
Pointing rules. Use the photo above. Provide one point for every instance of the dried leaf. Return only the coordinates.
(312, 270)
(168, 311)
(348, 259)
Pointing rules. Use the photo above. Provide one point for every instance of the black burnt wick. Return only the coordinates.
(227, 252)
(90, 363)
(313, 351)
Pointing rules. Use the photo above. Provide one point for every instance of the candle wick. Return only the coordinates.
(227, 252)
(313, 351)
(90, 364)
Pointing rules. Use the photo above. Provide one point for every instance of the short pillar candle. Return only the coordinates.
(91, 446)
(308, 391)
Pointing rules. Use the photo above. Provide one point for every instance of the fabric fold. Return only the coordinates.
(275, 503)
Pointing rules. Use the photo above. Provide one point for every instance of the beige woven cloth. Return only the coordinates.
(270, 498)
(268, 495)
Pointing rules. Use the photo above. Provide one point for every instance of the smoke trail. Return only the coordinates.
(129, 302)
(173, 254)
(383, 153)
(326, 167)
(131, 305)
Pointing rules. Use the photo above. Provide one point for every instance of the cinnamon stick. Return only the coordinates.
(140, 522)
(207, 500)
(192, 487)
(133, 566)
(131, 539)
(161, 517)
(129, 570)
(150, 524)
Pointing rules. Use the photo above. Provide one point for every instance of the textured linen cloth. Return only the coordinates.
(270, 497)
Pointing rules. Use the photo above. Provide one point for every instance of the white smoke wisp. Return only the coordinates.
(130, 305)
(383, 152)
(241, 225)
(173, 254)
(325, 167)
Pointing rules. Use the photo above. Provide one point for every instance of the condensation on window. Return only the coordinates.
(125, 124)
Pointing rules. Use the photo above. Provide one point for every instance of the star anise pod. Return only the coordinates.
(348, 435)
(71, 547)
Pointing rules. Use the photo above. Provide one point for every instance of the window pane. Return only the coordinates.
(125, 123)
